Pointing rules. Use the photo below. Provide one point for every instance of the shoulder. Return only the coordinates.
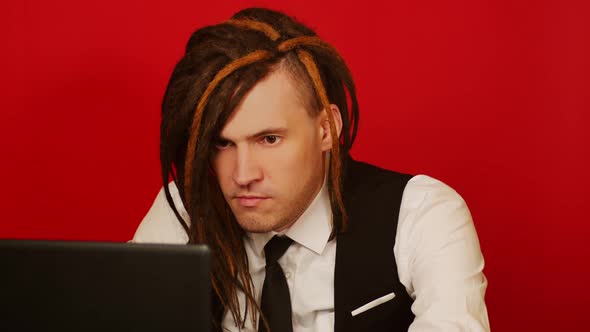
(362, 178)
(425, 191)
(160, 224)
(431, 214)
(432, 208)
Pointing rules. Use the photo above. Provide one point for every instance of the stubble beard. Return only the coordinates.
(262, 224)
(280, 215)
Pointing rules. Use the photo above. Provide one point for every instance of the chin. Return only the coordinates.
(256, 228)
(256, 224)
(251, 223)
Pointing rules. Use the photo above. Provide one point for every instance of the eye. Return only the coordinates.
(221, 144)
(271, 139)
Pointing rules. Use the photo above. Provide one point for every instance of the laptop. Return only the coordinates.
(94, 286)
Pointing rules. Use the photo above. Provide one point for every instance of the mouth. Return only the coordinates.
(250, 201)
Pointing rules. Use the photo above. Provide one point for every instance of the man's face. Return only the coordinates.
(269, 159)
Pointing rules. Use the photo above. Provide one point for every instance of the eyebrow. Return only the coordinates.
(264, 132)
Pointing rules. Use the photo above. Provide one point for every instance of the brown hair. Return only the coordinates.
(220, 65)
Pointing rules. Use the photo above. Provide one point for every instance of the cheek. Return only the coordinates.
(293, 163)
(221, 164)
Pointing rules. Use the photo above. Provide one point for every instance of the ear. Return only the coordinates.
(325, 130)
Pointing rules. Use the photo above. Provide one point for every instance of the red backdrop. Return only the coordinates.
(489, 96)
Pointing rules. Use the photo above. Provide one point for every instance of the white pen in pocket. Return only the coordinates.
(373, 304)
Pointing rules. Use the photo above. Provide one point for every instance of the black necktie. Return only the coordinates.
(275, 301)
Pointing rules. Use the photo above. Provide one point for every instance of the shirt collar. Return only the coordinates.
(312, 229)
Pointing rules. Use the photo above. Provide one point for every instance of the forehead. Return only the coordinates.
(274, 102)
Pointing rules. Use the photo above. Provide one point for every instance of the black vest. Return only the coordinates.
(365, 264)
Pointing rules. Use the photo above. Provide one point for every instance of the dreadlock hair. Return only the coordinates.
(220, 66)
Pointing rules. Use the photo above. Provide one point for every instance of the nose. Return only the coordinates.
(247, 169)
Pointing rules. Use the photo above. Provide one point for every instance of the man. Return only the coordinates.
(255, 134)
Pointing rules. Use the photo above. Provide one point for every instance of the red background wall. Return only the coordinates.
(489, 96)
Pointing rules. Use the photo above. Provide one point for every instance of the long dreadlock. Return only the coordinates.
(220, 65)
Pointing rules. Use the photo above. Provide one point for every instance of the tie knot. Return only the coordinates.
(275, 248)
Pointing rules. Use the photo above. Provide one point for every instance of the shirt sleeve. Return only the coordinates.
(439, 259)
(160, 224)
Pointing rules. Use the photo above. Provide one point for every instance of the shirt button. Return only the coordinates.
(288, 275)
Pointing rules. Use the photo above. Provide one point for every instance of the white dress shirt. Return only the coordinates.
(436, 249)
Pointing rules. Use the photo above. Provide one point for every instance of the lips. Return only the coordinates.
(250, 201)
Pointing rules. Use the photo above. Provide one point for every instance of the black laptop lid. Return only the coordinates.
(91, 286)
